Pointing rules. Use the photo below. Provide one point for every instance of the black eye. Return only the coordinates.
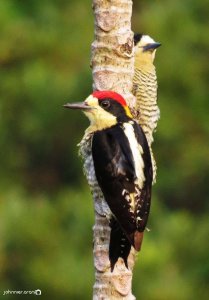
(105, 104)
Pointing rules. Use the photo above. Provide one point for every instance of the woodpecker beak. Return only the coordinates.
(79, 105)
(151, 46)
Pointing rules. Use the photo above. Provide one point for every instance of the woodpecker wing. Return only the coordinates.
(116, 174)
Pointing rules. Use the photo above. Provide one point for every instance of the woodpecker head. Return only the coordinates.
(145, 48)
(104, 109)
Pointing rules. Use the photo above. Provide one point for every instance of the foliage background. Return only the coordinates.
(46, 208)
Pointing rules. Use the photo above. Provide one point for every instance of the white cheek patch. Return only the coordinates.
(145, 40)
(99, 118)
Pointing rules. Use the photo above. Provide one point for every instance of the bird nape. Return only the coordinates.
(123, 168)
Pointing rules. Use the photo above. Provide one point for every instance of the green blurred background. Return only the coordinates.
(45, 204)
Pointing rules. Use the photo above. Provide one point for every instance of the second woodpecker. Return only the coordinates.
(145, 87)
(123, 168)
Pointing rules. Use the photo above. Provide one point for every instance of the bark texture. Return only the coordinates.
(113, 69)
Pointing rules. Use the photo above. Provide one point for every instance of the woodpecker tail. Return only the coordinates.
(119, 244)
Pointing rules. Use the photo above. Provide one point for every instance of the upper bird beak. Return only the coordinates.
(79, 105)
(151, 46)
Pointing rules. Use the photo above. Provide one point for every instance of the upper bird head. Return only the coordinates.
(104, 109)
(145, 48)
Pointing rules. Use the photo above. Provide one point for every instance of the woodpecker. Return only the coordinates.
(145, 87)
(123, 169)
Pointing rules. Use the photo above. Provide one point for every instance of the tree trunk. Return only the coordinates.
(113, 69)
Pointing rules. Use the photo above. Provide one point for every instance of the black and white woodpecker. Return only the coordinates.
(123, 169)
(145, 87)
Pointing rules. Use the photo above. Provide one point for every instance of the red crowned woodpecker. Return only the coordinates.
(123, 169)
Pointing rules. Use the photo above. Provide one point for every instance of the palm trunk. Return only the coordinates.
(113, 69)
